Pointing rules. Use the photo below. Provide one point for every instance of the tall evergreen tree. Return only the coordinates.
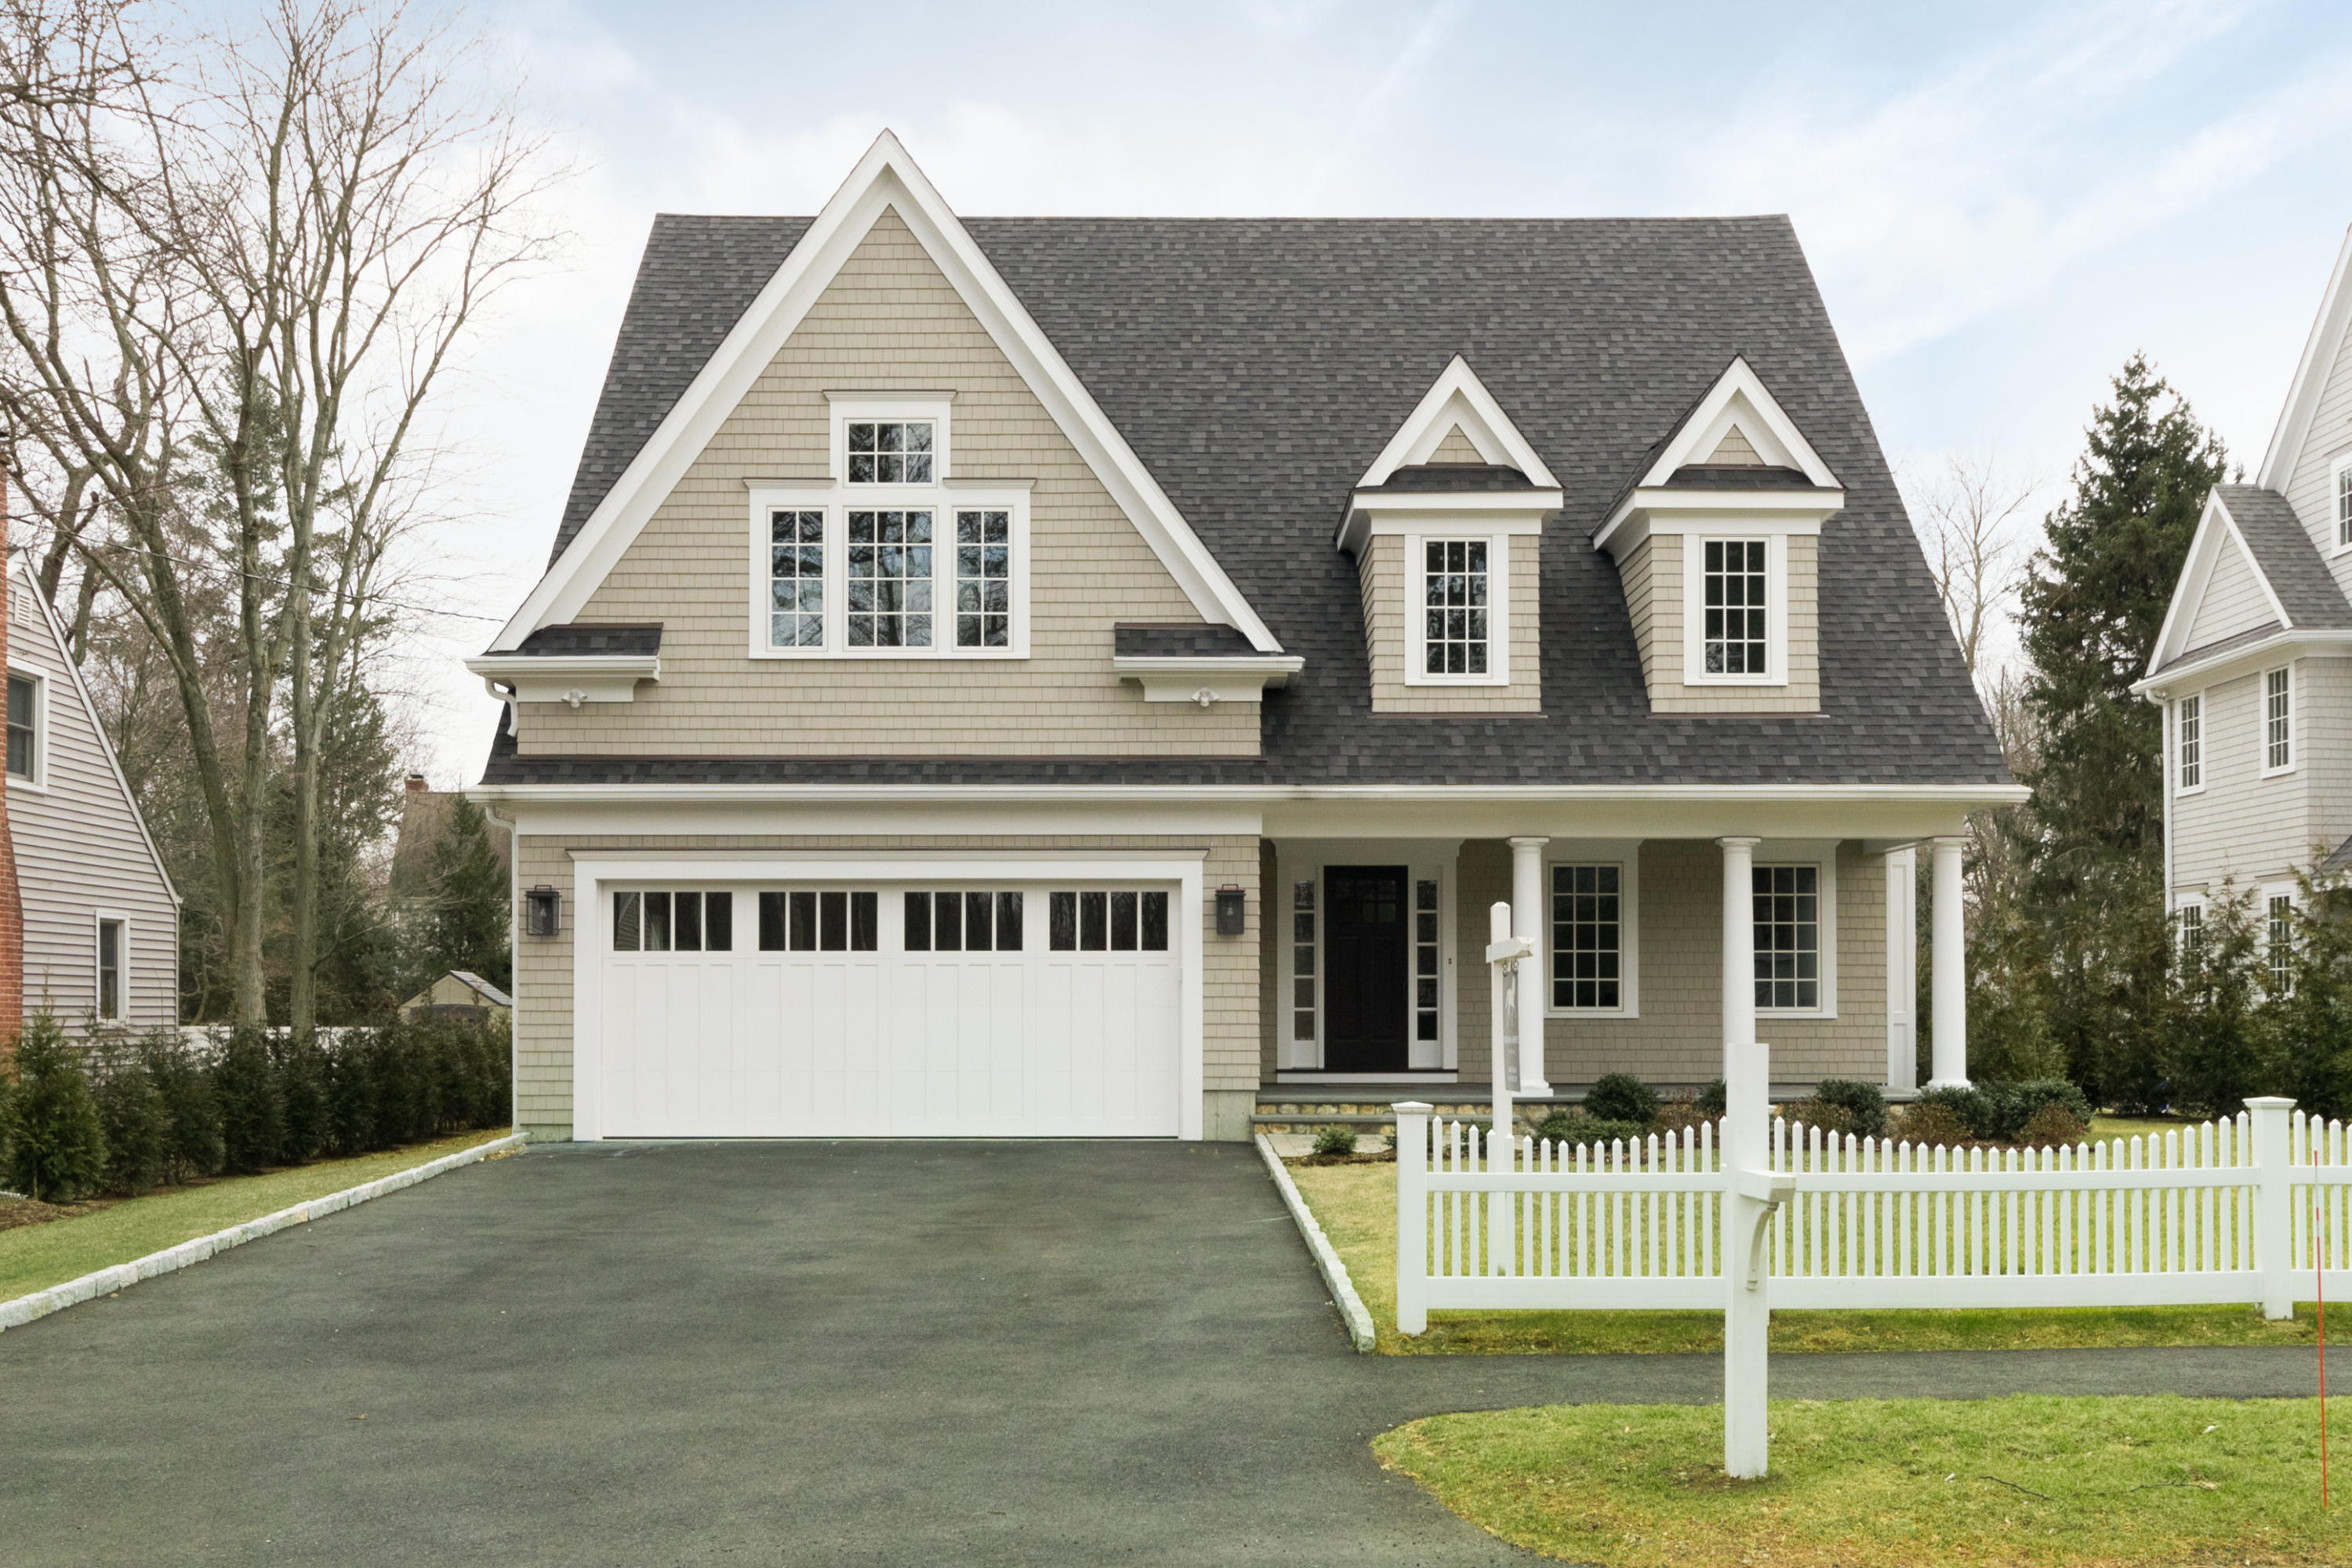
(2093, 832)
(469, 926)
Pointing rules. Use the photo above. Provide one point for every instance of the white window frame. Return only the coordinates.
(1775, 604)
(1626, 855)
(2262, 722)
(837, 503)
(98, 921)
(2339, 522)
(2266, 897)
(1823, 857)
(2181, 921)
(1498, 606)
(929, 407)
(42, 736)
(1306, 860)
(2186, 711)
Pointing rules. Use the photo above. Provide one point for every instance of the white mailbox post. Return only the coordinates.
(1752, 1191)
(1504, 953)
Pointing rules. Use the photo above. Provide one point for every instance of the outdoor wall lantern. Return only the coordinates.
(1231, 918)
(540, 911)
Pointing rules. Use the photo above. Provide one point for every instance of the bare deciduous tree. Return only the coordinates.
(1969, 517)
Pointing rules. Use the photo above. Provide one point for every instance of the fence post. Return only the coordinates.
(2273, 1218)
(1413, 1214)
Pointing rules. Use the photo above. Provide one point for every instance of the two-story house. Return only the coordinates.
(1070, 676)
(2254, 664)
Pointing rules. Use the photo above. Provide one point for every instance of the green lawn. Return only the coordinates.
(1356, 1205)
(36, 1257)
(2029, 1479)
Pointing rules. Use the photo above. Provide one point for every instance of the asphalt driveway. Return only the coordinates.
(802, 1353)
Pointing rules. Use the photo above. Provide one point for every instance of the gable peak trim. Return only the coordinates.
(1458, 400)
(2319, 353)
(2216, 530)
(885, 180)
(1739, 402)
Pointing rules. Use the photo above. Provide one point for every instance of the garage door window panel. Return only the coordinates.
(1109, 922)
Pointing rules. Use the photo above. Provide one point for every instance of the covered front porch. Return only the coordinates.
(1651, 950)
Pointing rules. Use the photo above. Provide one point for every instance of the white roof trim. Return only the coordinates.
(1966, 795)
(1458, 397)
(2269, 651)
(2214, 528)
(884, 178)
(1739, 397)
(2310, 376)
(19, 568)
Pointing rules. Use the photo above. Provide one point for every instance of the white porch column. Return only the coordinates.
(1738, 947)
(1948, 981)
(1902, 968)
(1527, 922)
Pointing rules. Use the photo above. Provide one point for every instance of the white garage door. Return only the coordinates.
(889, 1011)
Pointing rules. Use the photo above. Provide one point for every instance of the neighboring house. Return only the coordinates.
(101, 921)
(424, 817)
(460, 993)
(1073, 676)
(2254, 664)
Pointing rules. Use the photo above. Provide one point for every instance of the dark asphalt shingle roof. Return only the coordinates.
(2284, 551)
(576, 638)
(1258, 366)
(1456, 477)
(1134, 640)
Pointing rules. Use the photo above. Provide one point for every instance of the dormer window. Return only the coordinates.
(891, 451)
(1737, 609)
(1455, 607)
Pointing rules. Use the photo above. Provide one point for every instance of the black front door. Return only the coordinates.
(1365, 948)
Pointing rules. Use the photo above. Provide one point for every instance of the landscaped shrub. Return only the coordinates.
(1833, 1120)
(397, 1078)
(1679, 1116)
(1965, 1105)
(2053, 1125)
(136, 1122)
(2008, 1107)
(1932, 1125)
(298, 1062)
(1621, 1096)
(1335, 1142)
(1714, 1098)
(1569, 1128)
(252, 1108)
(192, 1132)
(56, 1144)
(350, 1092)
(1863, 1105)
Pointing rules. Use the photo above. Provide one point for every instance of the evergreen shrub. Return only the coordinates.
(1568, 1128)
(56, 1141)
(136, 1122)
(252, 1103)
(1621, 1096)
(1863, 1105)
(1713, 1097)
(192, 1132)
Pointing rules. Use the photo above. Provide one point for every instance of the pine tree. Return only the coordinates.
(56, 1144)
(469, 924)
(2093, 832)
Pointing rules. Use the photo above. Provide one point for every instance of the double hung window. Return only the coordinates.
(2189, 931)
(111, 941)
(1788, 915)
(2279, 947)
(796, 578)
(2343, 498)
(1455, 607)
(983, 579)
(1586, 938)
(2189, 742)
(1735, 614)
(2278, 720)
(24, 733)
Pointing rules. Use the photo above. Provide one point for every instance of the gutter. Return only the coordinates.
(1968, 796)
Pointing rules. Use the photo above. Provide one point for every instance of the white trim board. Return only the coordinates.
(2310, 375)
(1458, 397)
(884, 178)
(2215, 526)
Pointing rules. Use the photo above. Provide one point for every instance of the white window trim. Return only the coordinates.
(98, 919)
(838, 501)
(1498, 607)
(2262, 896)
(2178, 743)
(2339, 544)
(889, 407)
(1626, 855)
(1776, 605)
(1822, 856)
(42, 735)
(2263, 723)
(1306, 861)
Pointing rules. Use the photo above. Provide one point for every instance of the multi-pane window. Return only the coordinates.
(983, 579)
(1788, 912)
(814, 921)
(1302, 960)
(109, 969)
(2191, 743)
(1587, 936)
(889, 579)
(963, 922)
(2280, 947)
(1425, 988)
(23, 741)
(673, 922)
(2278, 720)
(796, 579)
(1110, 921)
(2188, 923)
(890, 452)
(2343, 505)
(1733, 591)
(1454, 606)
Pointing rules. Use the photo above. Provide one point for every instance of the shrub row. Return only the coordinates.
(122, 1114)
(2000, 1112)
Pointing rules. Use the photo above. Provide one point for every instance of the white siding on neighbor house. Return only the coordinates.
(81, 850)
(2324, 693)
(2234, 600)
(2242, 828)
(2329, 438)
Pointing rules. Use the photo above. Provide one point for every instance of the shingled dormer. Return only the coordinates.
(1717, 544)
(1446, 531)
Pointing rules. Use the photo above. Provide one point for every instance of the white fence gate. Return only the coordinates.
(2242, 1209)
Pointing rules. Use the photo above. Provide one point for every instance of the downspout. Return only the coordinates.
(514, 965)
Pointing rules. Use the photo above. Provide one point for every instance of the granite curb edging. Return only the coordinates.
(1352, 1311)
(24, 1310)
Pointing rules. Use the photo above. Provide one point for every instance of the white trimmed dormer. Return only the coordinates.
(1717, 544)
(1446, 529)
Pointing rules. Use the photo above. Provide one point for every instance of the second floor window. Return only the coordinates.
(1455, 607)
(890, 452)
(889, 597)
(983, 579)
(796, 579)
(2344, 504)
(2191, 741)
(2278, 720)
(1734, 629)
(2280, 945)
(24, 739)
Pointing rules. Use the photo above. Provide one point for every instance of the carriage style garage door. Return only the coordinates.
(867, 1009)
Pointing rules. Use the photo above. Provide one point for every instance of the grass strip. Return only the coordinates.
(2031, 1480)
(36, 1257)
(1356, 1205)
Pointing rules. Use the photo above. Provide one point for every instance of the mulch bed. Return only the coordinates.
(14, 1212)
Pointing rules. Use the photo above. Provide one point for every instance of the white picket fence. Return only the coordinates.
(2219, 1212)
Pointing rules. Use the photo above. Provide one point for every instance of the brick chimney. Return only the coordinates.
(417, 784)
(12, 902)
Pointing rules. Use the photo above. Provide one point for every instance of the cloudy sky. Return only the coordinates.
(2001, 202)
